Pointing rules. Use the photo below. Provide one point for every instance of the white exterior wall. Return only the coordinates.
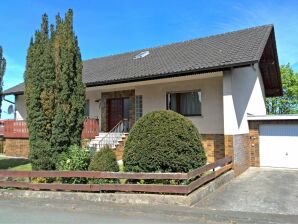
(20, 108)
(93, 96)
(243, 93)
(227, 98)
(211, 121)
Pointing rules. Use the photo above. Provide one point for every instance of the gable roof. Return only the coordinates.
(223, 51)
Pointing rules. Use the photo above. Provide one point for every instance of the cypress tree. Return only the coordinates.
(2, 71)
(70, 90)
(54, 92)
(39, 79)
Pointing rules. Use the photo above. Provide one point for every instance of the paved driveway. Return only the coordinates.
(261, 190)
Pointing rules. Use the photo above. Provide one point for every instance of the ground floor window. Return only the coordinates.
(187, 103)
(139, 107)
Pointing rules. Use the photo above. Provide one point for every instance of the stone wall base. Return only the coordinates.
(238, 147)
(214, 146)
(16, 147)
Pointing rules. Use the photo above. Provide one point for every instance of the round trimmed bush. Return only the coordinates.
(163, 141)
(104, 160)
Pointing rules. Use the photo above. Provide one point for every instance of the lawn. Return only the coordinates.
(14, 163)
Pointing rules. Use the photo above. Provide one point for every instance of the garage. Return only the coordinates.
(274, 141)
(279, 145)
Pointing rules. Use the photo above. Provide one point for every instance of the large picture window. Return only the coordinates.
(186, 103)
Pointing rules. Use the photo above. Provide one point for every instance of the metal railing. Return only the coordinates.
(114, 135)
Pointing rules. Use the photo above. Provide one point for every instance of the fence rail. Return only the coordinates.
(196, 178)
(18, 128)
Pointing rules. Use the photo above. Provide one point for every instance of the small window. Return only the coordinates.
(141, 55)
(87, 106)
(185, 103)
(139, 107)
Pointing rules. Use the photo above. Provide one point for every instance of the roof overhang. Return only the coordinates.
(269, 67)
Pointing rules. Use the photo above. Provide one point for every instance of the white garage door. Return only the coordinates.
(279, 145)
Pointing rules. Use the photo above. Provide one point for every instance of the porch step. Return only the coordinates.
(97, 141)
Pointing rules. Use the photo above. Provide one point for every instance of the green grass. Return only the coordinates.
(8, 163)
(121, 168)
(26, 167)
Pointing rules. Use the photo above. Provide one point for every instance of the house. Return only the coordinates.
(216, 82)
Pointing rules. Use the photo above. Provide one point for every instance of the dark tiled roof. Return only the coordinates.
(204, 54)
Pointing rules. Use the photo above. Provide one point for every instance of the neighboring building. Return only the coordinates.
(214, 81)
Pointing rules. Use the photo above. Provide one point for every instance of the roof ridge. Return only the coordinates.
(181, 42)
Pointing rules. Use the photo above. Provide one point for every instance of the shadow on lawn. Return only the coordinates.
(12, 162)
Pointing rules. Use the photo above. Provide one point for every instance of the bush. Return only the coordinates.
(75, 158)
(163, 141)
(104, 160)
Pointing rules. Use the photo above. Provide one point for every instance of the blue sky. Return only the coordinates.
(111, 27)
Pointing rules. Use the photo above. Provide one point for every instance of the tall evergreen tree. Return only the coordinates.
(39, 80)
(70, 90)
(54, 92)
(2, 71)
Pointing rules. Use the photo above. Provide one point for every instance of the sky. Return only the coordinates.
(117, 26)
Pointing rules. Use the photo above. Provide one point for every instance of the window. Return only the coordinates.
(87, 108)
(139, 107)
(185, 103)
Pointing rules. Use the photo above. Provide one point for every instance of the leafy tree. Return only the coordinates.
(2, 71)
(70, 90)
(288, 103)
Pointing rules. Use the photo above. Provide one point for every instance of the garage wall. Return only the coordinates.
(254, 142)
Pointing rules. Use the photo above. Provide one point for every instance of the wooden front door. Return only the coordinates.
(114, 112)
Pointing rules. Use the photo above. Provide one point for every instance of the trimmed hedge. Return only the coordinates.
(163, 141)
(104, 160)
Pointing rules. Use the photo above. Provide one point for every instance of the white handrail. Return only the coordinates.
(111, 139)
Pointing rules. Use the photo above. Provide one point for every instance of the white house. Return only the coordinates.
(214, 81)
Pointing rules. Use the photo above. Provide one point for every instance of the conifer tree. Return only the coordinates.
(39, 80)
(54, 92)
(2, 71)
(70, 90)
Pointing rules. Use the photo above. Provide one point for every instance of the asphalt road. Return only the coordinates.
(39, 211)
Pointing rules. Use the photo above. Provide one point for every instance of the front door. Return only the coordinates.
(115, 112)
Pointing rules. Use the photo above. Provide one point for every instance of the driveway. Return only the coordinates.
(260, 190)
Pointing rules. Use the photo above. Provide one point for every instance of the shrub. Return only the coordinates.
(163, 141)
(104, 160)
(75, 158)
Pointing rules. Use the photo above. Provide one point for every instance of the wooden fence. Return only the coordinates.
(195, 178)
(18, 128)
